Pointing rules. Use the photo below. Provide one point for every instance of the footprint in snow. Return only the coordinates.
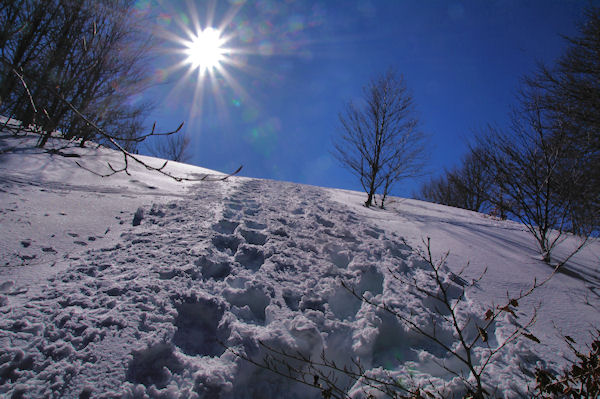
(234, 205)
(372, 233)
(253, 237)
(7, 285)
(215, 269)
(252, 298)
(198, 331)
(225, 226)
(251, 224)
(251, 212)
(324, 222)
(249, 256)
(226, 243)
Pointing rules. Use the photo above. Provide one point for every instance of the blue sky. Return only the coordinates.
(276, 111)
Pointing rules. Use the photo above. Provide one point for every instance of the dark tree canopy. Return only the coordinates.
(570, 92)
(92, 54)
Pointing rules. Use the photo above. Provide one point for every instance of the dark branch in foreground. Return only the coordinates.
(127, 155)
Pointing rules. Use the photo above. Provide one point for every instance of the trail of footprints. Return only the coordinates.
(254, 260)
(261, 253)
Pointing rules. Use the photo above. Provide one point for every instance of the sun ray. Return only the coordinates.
(216, 91)
(228, 18)
(237, 88)
(210, 14)
(198, 99)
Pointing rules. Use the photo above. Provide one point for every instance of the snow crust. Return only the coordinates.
(129, 286)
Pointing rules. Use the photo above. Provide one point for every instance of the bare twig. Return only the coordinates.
(464, 352)
(322, 374)
(476, 352)
(26, 88)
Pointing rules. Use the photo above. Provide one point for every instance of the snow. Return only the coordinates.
(128, 286)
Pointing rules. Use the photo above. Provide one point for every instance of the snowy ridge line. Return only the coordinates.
(144, 317)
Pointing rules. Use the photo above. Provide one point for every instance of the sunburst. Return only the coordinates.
(208, 55)
(206, 50)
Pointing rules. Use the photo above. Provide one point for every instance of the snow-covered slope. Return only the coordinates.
(92, 305)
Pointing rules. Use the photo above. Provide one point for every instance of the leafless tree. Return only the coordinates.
(544, 166)
(570, 91)
(174, 147)
(467, 186)
(381, 142)
(526, 163)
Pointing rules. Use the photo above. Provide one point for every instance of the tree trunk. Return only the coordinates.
(369, 200)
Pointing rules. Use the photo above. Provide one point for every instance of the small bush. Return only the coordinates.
(581, 380)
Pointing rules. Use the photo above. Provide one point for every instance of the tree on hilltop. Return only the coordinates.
(381, 142)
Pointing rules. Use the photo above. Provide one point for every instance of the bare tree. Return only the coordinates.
(174, 147)
(526, 163)
(468, 186)
(381, 142)
(571, 93)
(24, 26)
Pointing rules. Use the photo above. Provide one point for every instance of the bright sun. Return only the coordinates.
(208, 52)
(205, 50)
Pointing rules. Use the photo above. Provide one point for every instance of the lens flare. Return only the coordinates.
(211, 47)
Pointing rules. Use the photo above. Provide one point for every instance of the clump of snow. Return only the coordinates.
(134, 286)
